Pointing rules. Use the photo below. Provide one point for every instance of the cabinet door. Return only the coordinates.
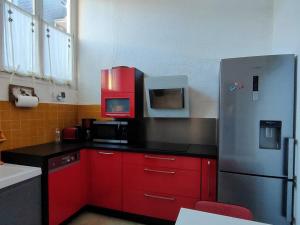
(105, 179)
(66, 193)
(209, 180)
(119, 79)
(84, 176)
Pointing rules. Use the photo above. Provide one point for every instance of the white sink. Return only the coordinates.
(11, 174)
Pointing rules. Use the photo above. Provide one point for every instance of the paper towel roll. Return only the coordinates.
(26, 101)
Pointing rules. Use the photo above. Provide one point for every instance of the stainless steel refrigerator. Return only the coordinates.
(256, 135)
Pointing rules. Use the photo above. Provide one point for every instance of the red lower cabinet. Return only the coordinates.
(159, 185)
(150, 185)
(66, 189)
(105, 186)
(209, 180)
(156, 205)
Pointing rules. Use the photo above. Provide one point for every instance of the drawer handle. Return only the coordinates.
(159, 171)
(105, 153)
(160, 158)
(159, 197)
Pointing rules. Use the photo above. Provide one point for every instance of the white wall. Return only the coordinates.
(43, 89)
(170, 37)
(286, 39)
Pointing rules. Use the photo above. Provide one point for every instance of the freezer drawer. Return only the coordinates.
(270, 199)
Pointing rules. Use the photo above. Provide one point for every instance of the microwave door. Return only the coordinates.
(107, 133)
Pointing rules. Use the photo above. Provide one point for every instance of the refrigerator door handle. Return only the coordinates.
(290, 147)
(289, 201)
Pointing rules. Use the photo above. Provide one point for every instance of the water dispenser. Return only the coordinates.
(270, 134)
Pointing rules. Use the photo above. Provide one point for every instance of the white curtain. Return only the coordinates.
(57, 54)
(21, 49)
(19, 41)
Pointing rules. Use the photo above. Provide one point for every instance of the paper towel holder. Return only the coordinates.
(15, 90)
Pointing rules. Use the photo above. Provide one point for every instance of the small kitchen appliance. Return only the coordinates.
(117, 132)
(71, 134)
(86, 126)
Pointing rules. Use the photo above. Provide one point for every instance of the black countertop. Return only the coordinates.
(36, 155)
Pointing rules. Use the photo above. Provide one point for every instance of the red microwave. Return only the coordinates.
(122, 93)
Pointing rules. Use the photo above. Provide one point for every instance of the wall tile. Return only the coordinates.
(24, 127)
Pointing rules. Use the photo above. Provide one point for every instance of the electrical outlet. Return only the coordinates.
(60, 96)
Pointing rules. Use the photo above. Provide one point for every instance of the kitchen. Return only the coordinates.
(175, 40)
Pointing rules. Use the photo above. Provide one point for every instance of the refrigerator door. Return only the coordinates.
(269, 199)
(257, 115)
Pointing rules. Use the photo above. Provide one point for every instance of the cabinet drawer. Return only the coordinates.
(167, 161)
(162, 180)
(155, 205)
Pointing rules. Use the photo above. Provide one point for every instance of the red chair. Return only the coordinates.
(224, 209)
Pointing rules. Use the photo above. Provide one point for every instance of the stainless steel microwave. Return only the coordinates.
(115, 132)
(110, 132)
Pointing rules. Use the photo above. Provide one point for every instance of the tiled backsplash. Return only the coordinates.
(89, 111)
(25, 127)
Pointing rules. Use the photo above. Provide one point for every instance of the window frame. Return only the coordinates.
(38, 14)
(1, 35)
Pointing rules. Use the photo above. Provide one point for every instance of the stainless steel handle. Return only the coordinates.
(159, 171)
(290, 145)
(106, 153)
(160, 158)
(117, 114)
(289, 201)
(159, 197)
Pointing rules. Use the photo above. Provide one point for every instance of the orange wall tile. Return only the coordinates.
(25, 127)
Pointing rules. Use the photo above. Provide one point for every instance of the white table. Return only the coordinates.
(194, 217)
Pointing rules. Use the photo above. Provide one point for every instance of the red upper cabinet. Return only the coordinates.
(122, 93)
(209, 180)
(119, 79)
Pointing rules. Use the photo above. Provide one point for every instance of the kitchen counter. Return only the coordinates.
(36, 155)
(11, 174)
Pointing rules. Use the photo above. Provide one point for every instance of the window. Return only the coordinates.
(26, 5)
(37, 45)
(57, 13)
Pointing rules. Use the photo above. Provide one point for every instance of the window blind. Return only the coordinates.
(57, 54)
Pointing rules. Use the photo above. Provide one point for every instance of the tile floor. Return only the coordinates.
(89, 218)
